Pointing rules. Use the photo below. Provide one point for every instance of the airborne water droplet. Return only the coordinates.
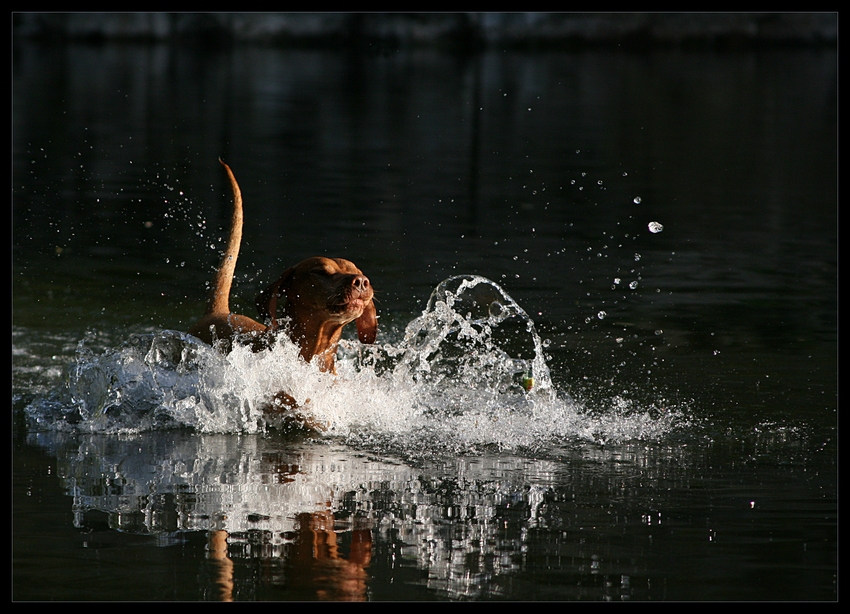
(601, 315)
(655, 227)
(637, 200)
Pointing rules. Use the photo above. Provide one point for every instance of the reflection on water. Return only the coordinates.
(290, 505)
(329, 522)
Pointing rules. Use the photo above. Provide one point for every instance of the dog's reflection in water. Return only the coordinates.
(223, 566)
(316, 563)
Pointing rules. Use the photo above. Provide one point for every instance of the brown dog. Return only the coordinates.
(322, 296)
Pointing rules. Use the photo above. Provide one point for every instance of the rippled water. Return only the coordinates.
(606, 366)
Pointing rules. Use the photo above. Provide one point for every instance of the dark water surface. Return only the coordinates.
(689, 450)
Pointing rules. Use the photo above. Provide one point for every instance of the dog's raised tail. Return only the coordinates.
(219, 297)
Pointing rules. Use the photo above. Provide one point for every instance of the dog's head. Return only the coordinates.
(322, 291)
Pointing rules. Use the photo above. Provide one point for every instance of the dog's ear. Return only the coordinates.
(267, 300)
(367, 324)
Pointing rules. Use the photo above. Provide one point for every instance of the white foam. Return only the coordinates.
(455, 381)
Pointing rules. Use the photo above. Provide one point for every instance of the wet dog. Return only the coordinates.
(320, 296)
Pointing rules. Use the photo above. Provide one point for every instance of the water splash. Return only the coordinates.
(473, 334)
(468, 374)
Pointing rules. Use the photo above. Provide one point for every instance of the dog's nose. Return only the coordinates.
(360, 283)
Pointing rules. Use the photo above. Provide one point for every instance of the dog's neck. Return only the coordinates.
(317, 342)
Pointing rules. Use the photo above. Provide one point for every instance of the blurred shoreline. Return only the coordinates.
(457, 31)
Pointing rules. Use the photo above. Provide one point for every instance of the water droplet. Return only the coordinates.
(616, 280)
(637, 257)
(655, 227)
(659, 332)
(633, 285)
(637, 200)
(601, 315)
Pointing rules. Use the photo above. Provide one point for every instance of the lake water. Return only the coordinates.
(651, 236)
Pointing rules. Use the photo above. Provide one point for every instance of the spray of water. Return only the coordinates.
(468, 374)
